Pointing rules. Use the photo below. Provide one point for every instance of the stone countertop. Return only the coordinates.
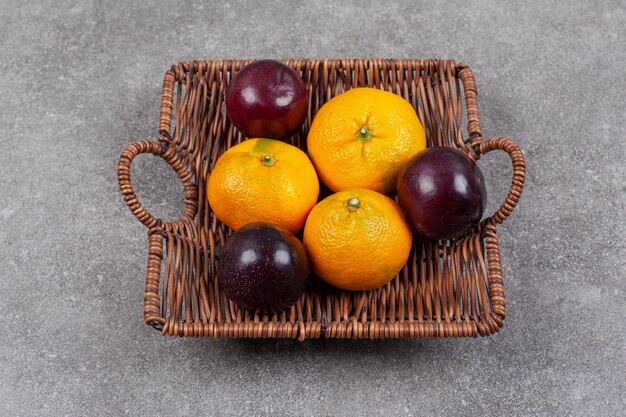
(80, 80)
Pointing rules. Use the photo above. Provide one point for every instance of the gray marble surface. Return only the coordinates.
(80, 80)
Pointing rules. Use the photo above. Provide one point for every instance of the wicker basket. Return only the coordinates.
(447, 288)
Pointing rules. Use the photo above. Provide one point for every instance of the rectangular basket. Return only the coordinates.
(447, 288)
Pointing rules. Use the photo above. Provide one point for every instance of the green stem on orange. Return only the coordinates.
(353, 204)
(268, 160)
(364, 135)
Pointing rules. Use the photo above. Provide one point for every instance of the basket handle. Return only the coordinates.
(519, 172)
(126, 187)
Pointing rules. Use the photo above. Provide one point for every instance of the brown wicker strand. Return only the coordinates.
(519, 173)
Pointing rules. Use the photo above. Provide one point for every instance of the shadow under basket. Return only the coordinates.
(447, 288)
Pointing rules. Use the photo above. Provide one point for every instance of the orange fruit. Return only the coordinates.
(357, 239)
(362, 138)
(263, 180)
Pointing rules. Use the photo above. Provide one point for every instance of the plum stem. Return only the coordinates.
(353, 204)
(268, 160)
(364, 135)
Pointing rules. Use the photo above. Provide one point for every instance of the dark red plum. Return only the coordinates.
(267, 99)
(263, 266)
(442, 192)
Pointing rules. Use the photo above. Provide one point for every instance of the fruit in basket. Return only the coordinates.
(263, 266)
(267, 99)
(263, 180)
(357, 239)
(442, 192)
(362, 138)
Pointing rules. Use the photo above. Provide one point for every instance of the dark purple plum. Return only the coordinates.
(267, 99)
(442, 192)
(263, 266)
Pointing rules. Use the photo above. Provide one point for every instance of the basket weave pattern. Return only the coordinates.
(447, 288)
